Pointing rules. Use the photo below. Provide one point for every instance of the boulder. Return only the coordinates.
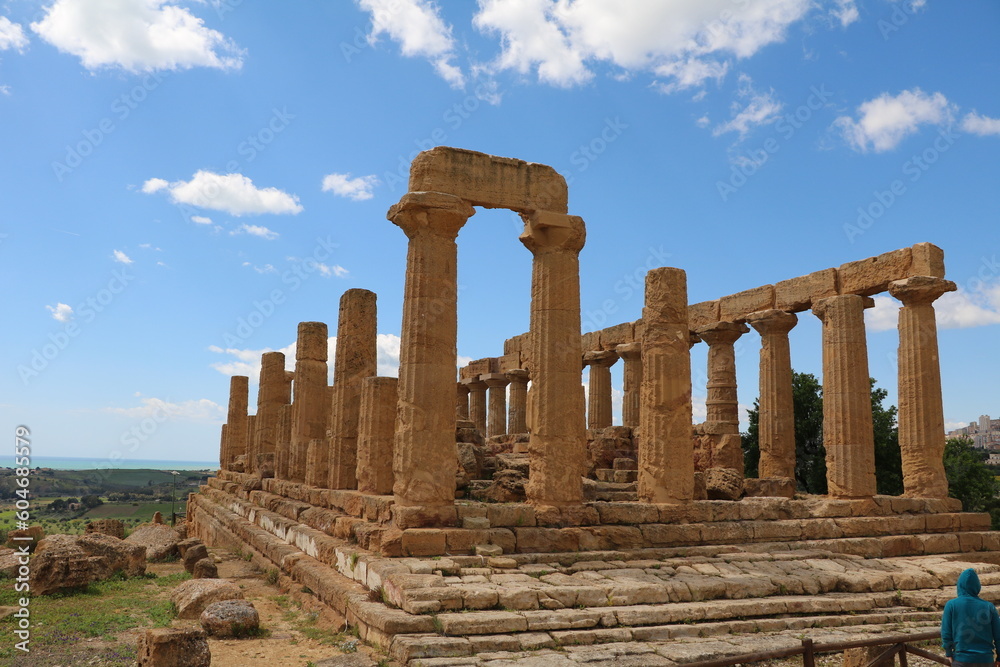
(157, 518)
(160, 540)
(112, 527)
(186, 544)
(230, 618)
(193, 554)
(507, 487)
(205, 569)
(191, 597)
(130, 559)
(59, 563)
(173, 647)
(10, 561)
(35, 534)
(723, 484)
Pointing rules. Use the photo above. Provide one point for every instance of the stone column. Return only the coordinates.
(722, 420)
(461, 402)
(776, 426)
(518, 378)
(236, 431)
(666, 448)
(557, 445)
(309, 405)
(355, 360)
(283, 450)
(847, 407)
(921, 414)
(376, 430)
(497, 423)
(599, 394)
(477, 403)
(425, 456)
(273, 392)
(631, 354)
(224, 448)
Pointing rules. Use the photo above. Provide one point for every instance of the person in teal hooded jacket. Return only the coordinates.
(970, 626)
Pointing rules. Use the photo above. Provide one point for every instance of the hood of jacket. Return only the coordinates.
(968, 583)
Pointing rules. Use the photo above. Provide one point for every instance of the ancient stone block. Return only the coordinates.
(736, 307)
(873, 275)
(173, 647)
(230, 618)
(703, 314)
(926, 260)
(618, 334)
(192, 596)
(798, 294)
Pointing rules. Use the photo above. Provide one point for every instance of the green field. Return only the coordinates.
(140, 511)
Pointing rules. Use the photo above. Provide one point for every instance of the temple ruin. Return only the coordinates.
(505, 463)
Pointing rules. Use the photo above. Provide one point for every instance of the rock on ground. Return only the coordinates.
(173, 647)
(121, 556)
(59, 563)
(36, 533)
(205, 569)
(191, 597)
(193, 554)
(112, 527)
(160, 540)
(230, 618)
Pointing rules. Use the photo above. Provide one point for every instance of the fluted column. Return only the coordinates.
(599, 394)
(425, 457)
(273, 392)
(236, 431)
(376, 430)
(921, 413)
(847, 408)
(497, 416)
(355, 360)
(518, 378)
(722, 421)
(309, 404)
(283, 451)
(666, 449)
(557, 442)
(477, 402)
(631, 354)
(461, 401)
(224, 448)
(776, 425)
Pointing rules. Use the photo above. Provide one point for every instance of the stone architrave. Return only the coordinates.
(273, 392)
(309, 404)
(921, 414)
(497, 415)
(777, 415)
(477, 402)
(355, 360)
(599, 394)
(847, 408)
(461, 401)
(666, 450)
(631, 355)
(722, 422)
(376, 430)
(557, 444)
(518, 378)
(425, 456)
(236, 432)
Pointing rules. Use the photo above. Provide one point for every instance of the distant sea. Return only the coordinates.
(75, 463)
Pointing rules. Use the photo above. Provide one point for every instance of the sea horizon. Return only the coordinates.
(89, 463)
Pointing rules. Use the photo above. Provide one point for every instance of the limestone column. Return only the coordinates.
(722, 421)
(666, 448)
(477, 402)
(776, 425)
(497, 384)
(599, 394)
(557, 443)
(236, 433)
(272, 392)
(376, 430)
(355, 360)
(309, 405)
(224, 448)
(283, 448)
(631, 354)
(847, 407)
(921, 414)
(425, 456)
(518, 378)
(461, 402)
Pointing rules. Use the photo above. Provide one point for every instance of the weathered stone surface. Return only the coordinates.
(34, 535)
(776, 417)
(129, 559)
(376, 432)
(798, 294)
(310, 405)
(702, 314)
(599, 396)
(193, 596)
(631, 355)
(59, 564)
(193, 554)
(274, 391)
(517, 409)
(160, 540)
(507, 486)
(873, 274)
(173, 647)
(112, 527)
(205, 568)
(926, 260)
(735, 307)
(723, 484)
(236, 435)
(230, 618)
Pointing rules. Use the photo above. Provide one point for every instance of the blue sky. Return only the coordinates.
(183, 182)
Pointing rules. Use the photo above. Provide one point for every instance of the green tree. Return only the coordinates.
(969, 479)
(91, 501)
(888, 461)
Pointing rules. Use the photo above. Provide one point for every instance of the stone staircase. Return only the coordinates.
(641, 606)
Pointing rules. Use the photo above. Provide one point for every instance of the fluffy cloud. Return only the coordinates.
(197, 219)
(885, 121)
(759, 109)
(234, 194)
(954, 310)
(11, 35)
(845, 11)
(135, 35)
(981, 125)
(687, 41)
(328, 271)
(61, 312)
(256, 230)
(355, 189)
(121, 257)
(420, 31)
(162, 410)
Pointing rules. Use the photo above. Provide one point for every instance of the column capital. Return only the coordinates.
(820, 307)
(545, 231)
(463, 387)
(474, 383)
(494, 380)
(920, 290)
(772, 321)
(515, 375)
(721, 332)
(606, 358)
(433, 213)
(629, 351)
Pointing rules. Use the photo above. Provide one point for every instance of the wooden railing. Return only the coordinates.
(896, 645)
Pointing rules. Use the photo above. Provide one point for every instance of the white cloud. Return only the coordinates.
(886, 120)
(328, 271)
(961, 309)
(255, 230)
(61, 312)
(200, 219)
(420, 31)
(687, 41)
(135, 35)
(981, 125)
(11, 35)
(162, 410)
(845, 11)
(759, 109)
(355, 189)
(387, 348)
(247, 362)
(4, 90)
(121, 257)
(267, 268)
(232, 193)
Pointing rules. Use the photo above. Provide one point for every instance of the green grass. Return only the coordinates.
(127, 510)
